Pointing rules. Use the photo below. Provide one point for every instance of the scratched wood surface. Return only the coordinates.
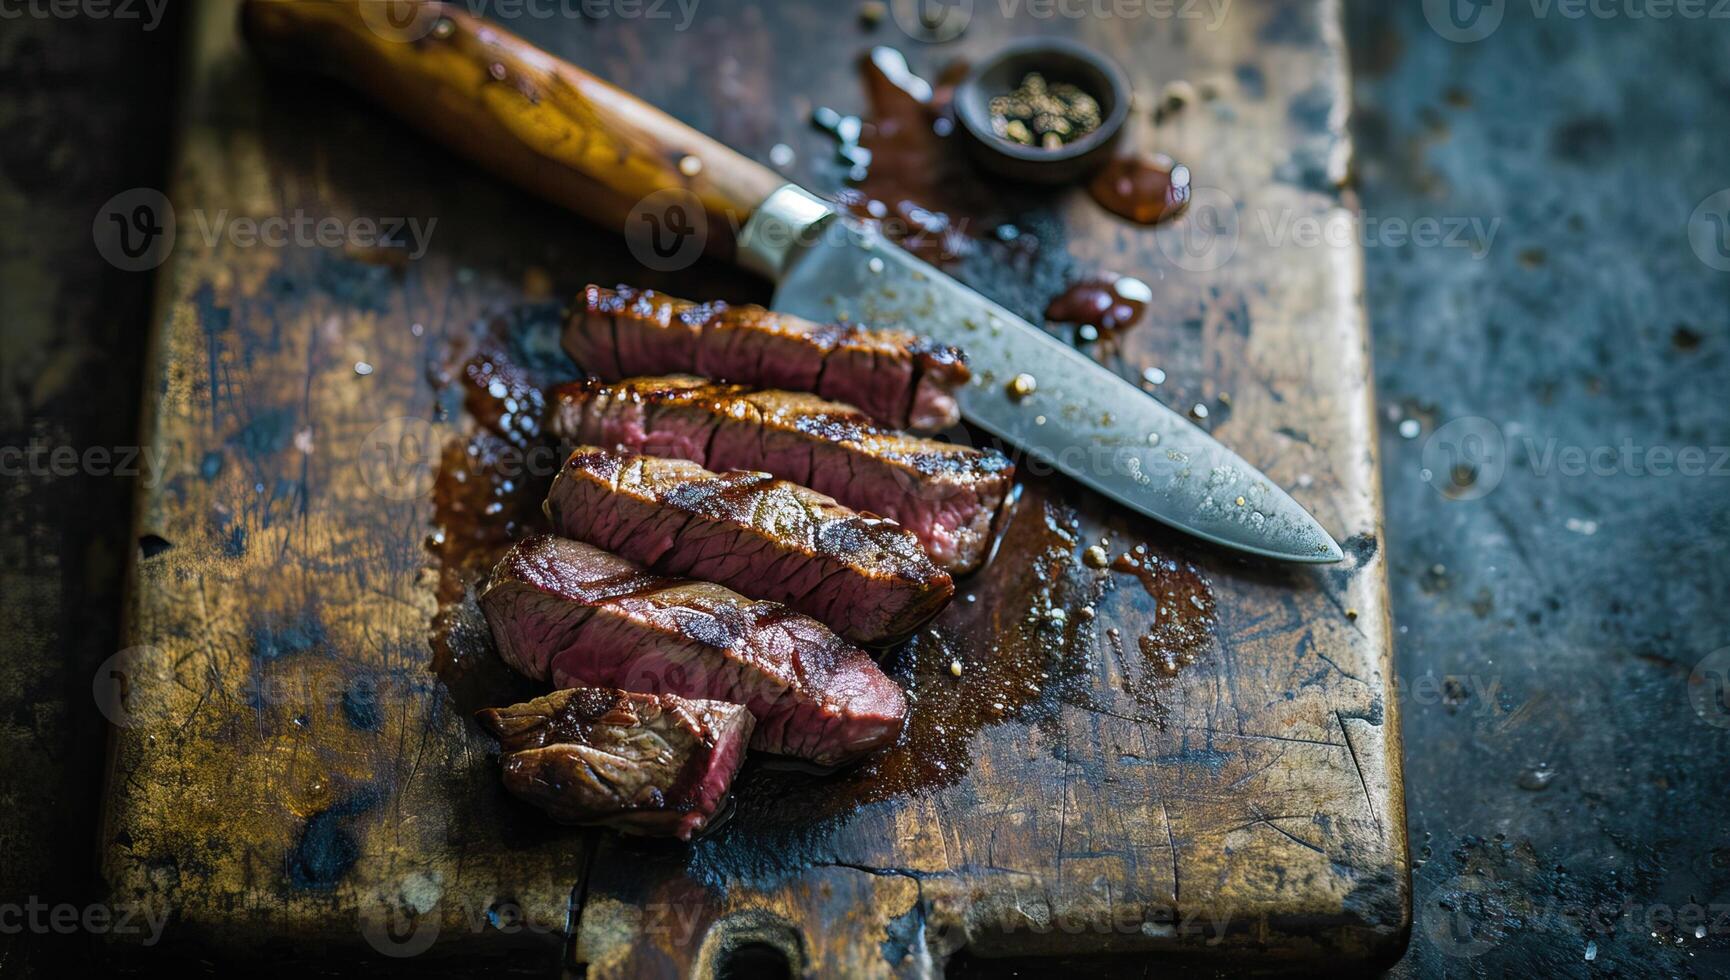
(289, 777)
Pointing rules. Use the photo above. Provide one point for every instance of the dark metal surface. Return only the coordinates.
(1548, 626)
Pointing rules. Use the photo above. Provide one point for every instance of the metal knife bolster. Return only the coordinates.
(790, 219)
(1070, 415)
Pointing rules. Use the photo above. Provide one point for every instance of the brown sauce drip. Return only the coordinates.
(502, 399)
(482, 503)
(919, 187)
(486, 495)
(1183, 614)
(1107, 303)
(1145, 190)
(1018, 663)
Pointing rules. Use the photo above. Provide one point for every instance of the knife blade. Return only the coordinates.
(1080, 419)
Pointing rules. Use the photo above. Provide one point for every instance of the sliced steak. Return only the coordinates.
(645, 763)
(866, 577)
(947, 495)
(571, 613)
(900, 379)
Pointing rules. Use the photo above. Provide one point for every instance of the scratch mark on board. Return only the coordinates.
(1369, 799)
(1171, 841)
(1288, 835)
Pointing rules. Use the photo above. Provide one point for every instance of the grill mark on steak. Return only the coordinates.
(949, 496)
(896, 377)
(579, 616)
(865, 577)
(645, 763)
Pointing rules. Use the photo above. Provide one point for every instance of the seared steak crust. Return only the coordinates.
(645, 763)
(865, 577)
(571, 613)
(947, 495)
(900, 379)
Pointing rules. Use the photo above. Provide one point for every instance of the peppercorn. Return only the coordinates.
(1044, 114)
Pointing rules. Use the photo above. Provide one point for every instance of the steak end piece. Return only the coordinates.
(649, 764)
(865, 577)
(948, 495)
(571, 613)
(902, 380)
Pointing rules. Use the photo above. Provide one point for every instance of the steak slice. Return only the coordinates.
(645, 763)
(947, 495)
(900, 379)
(865, 577)
(571, 613)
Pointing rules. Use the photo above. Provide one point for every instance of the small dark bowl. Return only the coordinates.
(1059, 60)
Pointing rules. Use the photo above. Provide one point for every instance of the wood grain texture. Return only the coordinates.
(558, 131)
(291, 770)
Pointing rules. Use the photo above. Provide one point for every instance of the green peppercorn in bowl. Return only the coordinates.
(1045, 111)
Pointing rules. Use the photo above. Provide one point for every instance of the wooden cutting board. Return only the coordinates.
(291, 779)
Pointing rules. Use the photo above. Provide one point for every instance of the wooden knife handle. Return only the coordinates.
(543, 123)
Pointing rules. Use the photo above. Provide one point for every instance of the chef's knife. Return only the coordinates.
(584, 144)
